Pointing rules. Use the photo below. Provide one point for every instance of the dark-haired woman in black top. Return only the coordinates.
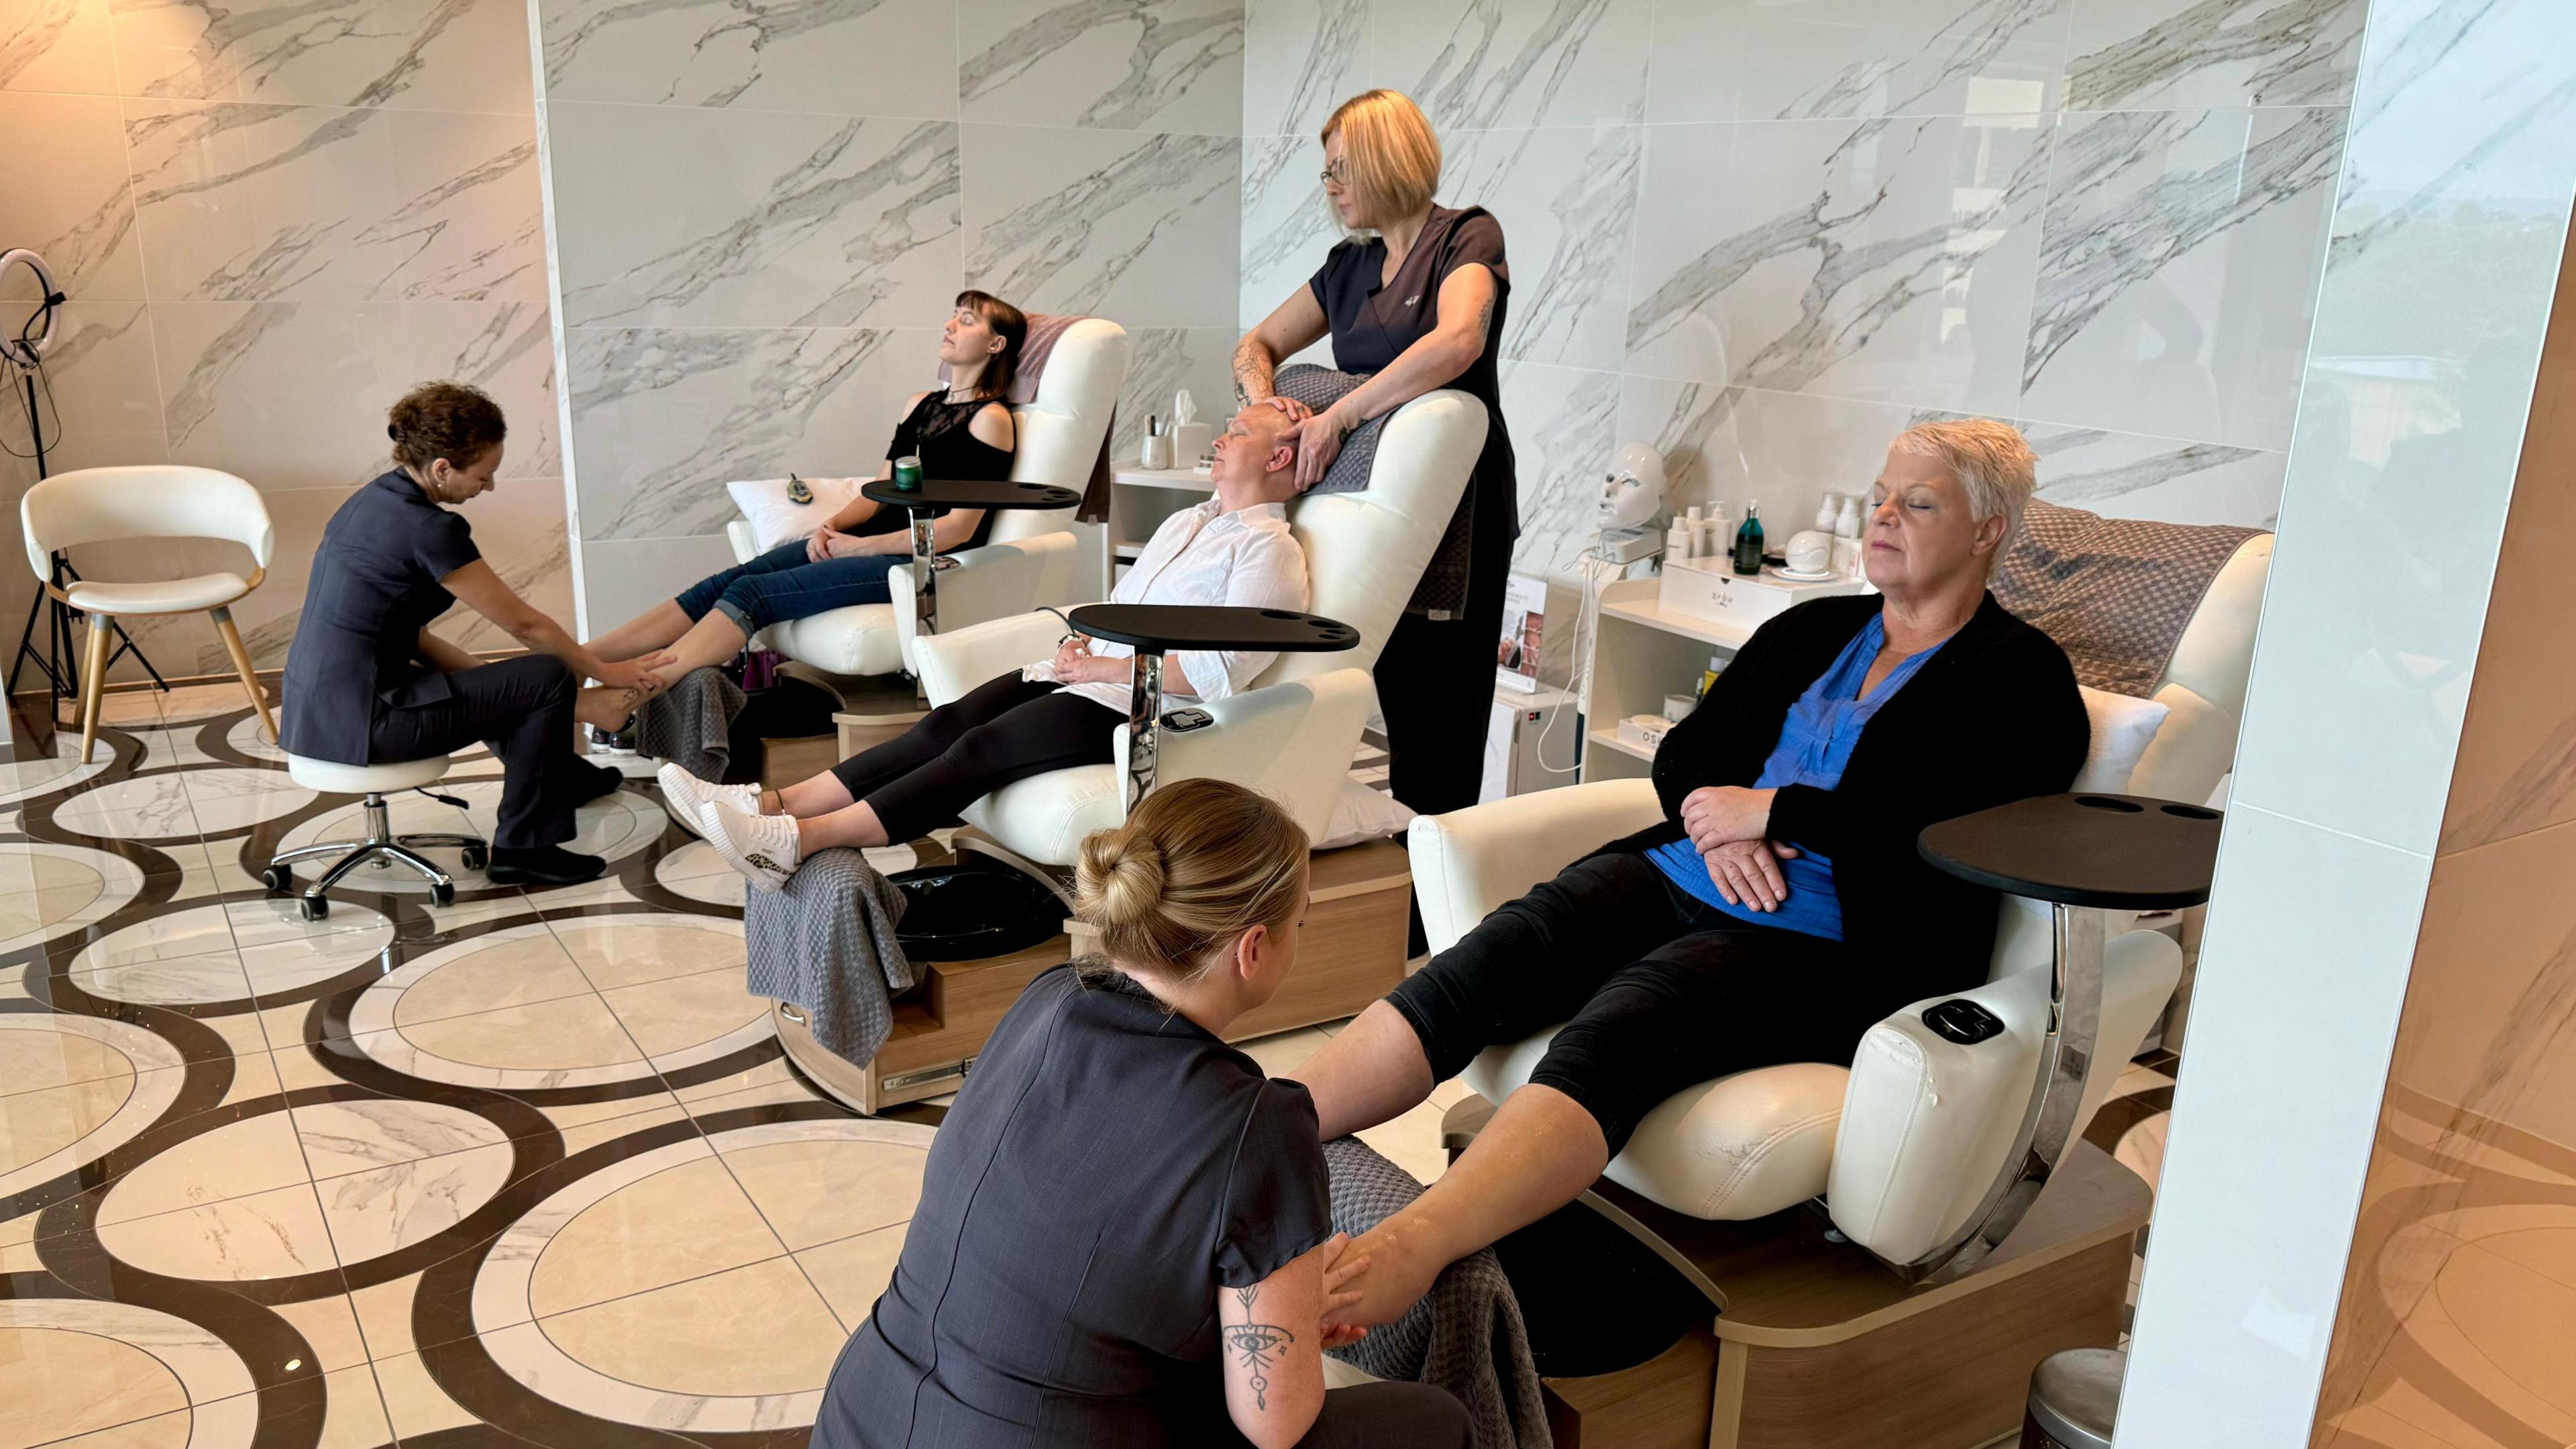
(963, 431)
(1416, 307)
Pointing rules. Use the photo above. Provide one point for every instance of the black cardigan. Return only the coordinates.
(1992, 718)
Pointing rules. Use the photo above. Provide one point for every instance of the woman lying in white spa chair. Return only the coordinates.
(1235, 549)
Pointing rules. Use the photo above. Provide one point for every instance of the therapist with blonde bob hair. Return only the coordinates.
(1123, 1235)
(1413, 298)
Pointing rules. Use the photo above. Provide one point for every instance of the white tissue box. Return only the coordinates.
(1710, 589)
(1643, 731)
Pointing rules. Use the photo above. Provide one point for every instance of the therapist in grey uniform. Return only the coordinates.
(367, 683)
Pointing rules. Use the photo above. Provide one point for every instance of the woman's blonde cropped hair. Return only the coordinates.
(1991, 460)
(1394, 158)
(1197, 864)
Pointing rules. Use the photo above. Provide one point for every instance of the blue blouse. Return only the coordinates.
(1816, 742)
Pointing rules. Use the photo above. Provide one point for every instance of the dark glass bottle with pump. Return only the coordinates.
(1748, 542)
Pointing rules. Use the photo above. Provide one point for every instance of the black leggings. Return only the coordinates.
(522, 708)
(1004, 730)
(1662, 991)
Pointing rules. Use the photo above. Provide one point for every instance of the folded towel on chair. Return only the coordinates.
(1466, 1333)
(1443, 586)
(827, 943)
(688, 724)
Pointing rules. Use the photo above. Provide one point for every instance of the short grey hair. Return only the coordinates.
(1991, 460)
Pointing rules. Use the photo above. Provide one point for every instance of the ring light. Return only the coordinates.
(27, 351)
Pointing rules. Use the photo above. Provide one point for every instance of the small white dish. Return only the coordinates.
(1820, 576)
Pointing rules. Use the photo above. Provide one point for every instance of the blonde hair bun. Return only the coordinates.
(1128, 870)
(1197, 864)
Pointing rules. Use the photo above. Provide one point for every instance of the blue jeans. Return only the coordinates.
(781, 584)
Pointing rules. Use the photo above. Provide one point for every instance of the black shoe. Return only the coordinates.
(543, 865)
(599, 784)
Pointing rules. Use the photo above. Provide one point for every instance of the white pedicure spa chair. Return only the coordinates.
(1291, 734)
(1030, 557)
(1885, 1246)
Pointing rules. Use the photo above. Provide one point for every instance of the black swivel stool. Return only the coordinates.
(2085, 854)
(1154, 630)
(936, 496)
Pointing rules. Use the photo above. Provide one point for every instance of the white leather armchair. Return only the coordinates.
(1905, 1143)
(1029, 557)
(1292, 734)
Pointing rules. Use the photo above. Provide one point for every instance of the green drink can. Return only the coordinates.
(907, 474)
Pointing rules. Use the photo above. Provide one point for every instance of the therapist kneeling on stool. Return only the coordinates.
(367, 683)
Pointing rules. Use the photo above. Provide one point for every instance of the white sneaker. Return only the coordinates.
(683, 793)
(762, 847)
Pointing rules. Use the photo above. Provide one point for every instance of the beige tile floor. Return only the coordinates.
(529, 1160)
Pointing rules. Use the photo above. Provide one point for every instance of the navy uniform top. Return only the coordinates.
(1107, 1166)
(375, 586)
(1374, 321)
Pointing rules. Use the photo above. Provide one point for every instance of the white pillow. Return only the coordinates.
(774, 519)
(2123, 726)
(1362, 814)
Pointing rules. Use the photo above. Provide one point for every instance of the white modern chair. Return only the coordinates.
(1292, 734)
(1029, 557)
(1906, 1141)
(150, 501)
(373, 783)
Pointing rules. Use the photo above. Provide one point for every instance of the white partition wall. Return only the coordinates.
(2388, 630)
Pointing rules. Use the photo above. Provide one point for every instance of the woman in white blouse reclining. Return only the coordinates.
(1234, 549)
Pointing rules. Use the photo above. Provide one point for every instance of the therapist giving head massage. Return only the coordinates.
(1778, 912)
(960, 431)
(1235, 549)
(1123, 1234)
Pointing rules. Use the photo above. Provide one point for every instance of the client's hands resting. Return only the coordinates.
(826, 542)
(1747, 873)
(1715, 815)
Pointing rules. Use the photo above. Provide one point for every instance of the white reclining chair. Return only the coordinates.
(1029, 557)
(1292, 734)
(1906, 1143)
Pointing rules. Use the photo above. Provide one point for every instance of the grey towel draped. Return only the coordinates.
(827, 943)
(687, 723)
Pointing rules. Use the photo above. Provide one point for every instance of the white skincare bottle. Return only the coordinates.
(1826, 514)
(1677, 541)
(1847, 539)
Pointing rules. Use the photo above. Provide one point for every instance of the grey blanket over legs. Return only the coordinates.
(687, 724)
(1466, 1333)
(827, 944)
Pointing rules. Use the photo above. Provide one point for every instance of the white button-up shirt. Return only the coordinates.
(1244, 559)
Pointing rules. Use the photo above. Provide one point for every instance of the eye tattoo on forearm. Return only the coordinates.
(1258, 1343)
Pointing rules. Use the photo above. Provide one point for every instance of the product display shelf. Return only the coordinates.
(1639, 654)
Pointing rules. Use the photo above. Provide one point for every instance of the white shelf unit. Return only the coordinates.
(1639, 654)
(1139, 501)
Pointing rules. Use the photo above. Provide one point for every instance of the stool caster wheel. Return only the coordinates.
(313, 907)
(476, 857)
(277, 878)
(444, 895)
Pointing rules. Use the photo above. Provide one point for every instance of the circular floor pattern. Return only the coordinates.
(615, 826)
(79, 1365)
(514, 1009)
(49, 890)
(18, 780)
(726, 1317)
(146, 807)
(76, 1088)
(217, 953)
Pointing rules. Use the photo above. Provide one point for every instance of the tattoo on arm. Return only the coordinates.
(1485, 323)
(1258, 1344)
(1252, 371)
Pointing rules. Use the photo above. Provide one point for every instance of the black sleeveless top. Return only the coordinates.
(936, 432)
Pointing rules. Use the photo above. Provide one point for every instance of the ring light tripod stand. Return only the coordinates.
(25, 354)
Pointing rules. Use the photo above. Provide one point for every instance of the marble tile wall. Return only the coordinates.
(760, 215)
(1766, 237)
(272, 217)
(2362, 1226)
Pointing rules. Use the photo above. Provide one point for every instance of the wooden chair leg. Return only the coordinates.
(93, 680)
(241, 665)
